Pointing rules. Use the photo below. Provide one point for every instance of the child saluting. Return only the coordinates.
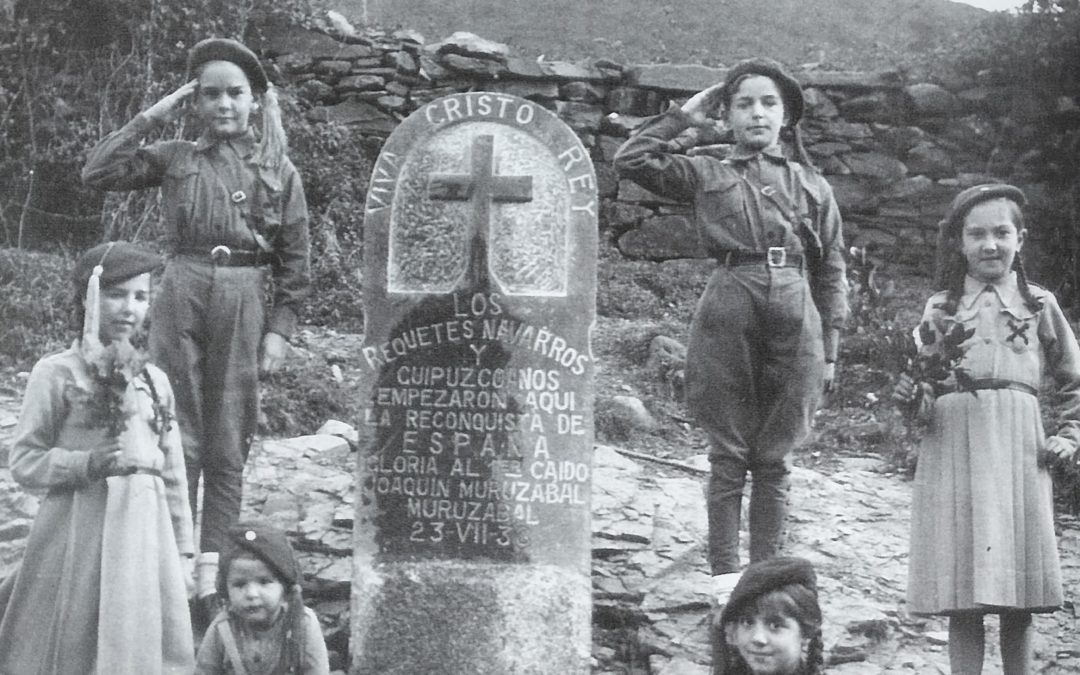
(234, 216)
(103, 586)
(265, 628)
(765, 334)
(982, 524)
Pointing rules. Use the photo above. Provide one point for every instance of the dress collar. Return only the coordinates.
(1005, 289)
(243, 145)
(773, 152)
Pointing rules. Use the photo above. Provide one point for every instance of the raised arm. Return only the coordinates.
(647, 157)
(120, 162)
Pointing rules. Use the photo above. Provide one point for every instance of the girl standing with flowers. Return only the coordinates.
(982, 532)
(103, 587)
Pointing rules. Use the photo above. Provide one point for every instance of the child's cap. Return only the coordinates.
(119, 260)
(266, 543)
(767, 576)
(224, 49)
(968, 198)
(790, 89)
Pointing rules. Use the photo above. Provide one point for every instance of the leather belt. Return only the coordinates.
(777, 256)
(995, 383)
(223, 256)
(132, 470)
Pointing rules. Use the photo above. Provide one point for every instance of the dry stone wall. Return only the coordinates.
(895, 151)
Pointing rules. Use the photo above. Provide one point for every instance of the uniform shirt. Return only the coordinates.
(213, 193)
(1011, 341)
(730, 215)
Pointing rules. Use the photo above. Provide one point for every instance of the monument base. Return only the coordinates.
(462, 618)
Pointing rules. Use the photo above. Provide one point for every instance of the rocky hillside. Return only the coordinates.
(858, 34)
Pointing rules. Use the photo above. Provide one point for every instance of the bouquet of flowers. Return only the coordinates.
(114, 367)
(940, 368)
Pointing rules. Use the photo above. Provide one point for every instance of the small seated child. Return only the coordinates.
(772, 622)
(265, 628)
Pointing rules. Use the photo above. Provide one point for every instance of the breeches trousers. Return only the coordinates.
(206, 329)
(754, 378)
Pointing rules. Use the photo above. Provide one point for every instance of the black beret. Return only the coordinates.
(767, 576)
(266, 543)
(967, 199)
(120, 260)
(224, 49)
(789, 87)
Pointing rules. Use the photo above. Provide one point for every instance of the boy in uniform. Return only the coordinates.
(765, 334)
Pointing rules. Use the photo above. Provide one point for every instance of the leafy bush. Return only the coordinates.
(335, 170)
(36, 306)
(297, 400)
(75, 70)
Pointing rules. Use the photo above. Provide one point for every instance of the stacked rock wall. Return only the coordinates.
(895, 151)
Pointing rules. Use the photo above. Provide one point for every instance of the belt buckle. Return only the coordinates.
(776, 257)
(220, 254)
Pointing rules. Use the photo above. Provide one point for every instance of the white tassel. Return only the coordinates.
(91, 339)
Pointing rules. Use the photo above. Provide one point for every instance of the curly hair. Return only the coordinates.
(795, 601)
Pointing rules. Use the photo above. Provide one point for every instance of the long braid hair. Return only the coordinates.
(293, 649)
(796, 601)
(274, 144)
(951, 265)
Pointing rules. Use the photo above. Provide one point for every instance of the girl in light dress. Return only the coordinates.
(103, 587)
(982, 532)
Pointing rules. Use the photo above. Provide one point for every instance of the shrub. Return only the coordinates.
(75, 70)
(297, 400)
(335, 170)
(36, 306)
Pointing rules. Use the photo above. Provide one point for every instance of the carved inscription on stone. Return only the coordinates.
(477, 420)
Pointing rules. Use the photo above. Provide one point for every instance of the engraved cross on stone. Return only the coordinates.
(481, 187)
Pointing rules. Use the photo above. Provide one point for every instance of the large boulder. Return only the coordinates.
(930, 160)
(933, 100)
(683, 78)
(469, 44)
(875, 165)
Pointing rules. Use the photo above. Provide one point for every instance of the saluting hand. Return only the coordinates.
(168, 108)
(703, 106)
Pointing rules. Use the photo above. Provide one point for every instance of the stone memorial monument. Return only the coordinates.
(472, 532)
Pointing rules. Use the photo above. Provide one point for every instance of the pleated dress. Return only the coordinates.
(982, 524)
(101, 588)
